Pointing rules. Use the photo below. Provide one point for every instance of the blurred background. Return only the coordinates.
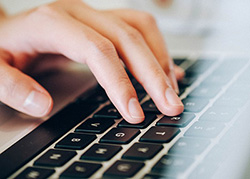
(215, 25)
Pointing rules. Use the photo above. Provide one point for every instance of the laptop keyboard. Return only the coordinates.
(185, 146)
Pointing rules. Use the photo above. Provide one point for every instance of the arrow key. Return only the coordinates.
(95, 125)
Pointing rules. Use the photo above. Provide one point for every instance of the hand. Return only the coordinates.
(101, 39)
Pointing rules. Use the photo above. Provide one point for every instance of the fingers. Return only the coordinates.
(179, 72)
(22, 92)
(137, 56)
(88, 36)
(78, 42)
(146, 25)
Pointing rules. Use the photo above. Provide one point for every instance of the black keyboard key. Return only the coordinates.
(123, 169)
(194, 104)
(203, 170)
(149, 106)
(140, 151)
(42, 137)
(55, 158)
(149, 118)
(35, 173)
(179, 61)
(172, 165)
(108, 112)
(139, 88)
(141, 95)
(189, 146)
(181, 90)
(205, 129)
(154, 176)
(219, 154)
(160, 134)
(95, 125)
(80, 170)
(186, 82)
(176, 121)
(199, 67)
(101, 152)
(231, 100)
(216, 79)
(131, 77)
(238, 89)
(231, 66)
(219, 114)
(205, 91)
(98, 97)
(75, 141)
(120, 135)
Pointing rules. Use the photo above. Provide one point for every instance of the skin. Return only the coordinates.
(100, 39)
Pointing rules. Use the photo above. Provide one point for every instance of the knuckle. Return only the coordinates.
(125, 87)
(131, 34)
(158, 72)
(102, 46)
(98, 48)
(124, 81)
(45, 12)
(147, 18)
(156, 77)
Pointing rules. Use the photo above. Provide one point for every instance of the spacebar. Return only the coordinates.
(43, 136)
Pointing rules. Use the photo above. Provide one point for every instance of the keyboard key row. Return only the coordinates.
(35, 173)
(55, 158)
(108, 112)
(75, 141)
(149, 118)
(101, 152)
(95, 125)
(205, 129)
(80, 170)
(142, 151)
(176, 121)
(171, 166)
(160, 134)
(120, 135)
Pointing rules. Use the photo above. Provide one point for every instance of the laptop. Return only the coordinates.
(85, 136)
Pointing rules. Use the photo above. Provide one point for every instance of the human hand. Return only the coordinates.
(100, 39)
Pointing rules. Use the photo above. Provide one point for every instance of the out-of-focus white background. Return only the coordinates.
(214, 25)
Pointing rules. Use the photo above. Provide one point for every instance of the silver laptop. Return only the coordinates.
(85, 136)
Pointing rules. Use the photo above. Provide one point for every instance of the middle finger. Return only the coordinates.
(136, 55)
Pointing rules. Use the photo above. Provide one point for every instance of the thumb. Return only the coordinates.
(23, 93)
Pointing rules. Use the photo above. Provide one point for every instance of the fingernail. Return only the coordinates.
(135, 110)
(172, 98)
(37, 103)
(179, 73)
(179, 70)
